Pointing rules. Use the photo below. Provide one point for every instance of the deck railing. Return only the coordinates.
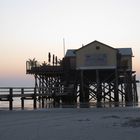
(8, 93)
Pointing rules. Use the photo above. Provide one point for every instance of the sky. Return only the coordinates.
(32, 28)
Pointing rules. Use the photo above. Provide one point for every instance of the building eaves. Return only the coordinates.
(125, 51)
(70, 53)
(96, 42)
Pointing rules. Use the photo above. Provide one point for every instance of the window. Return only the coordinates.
(96, 59)
(97, 47)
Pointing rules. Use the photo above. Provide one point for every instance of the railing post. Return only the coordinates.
(11, 99)
(34, 98)
(22, 98)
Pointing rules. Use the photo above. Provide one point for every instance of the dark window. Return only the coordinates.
(97, 47)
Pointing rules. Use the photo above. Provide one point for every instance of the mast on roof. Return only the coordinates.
(64, 46)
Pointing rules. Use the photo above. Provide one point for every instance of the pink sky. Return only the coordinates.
(32, 28)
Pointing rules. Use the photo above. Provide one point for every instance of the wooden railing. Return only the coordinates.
(8, 93)
(31, 93)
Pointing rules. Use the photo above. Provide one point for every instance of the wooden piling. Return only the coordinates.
(11, 99)
(116, 95)
(34, 99)
(109, 84)
(135, 90)
(99, 87)
(22, 98)
(82, 93)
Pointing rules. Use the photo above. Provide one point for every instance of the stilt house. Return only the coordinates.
(96, 72)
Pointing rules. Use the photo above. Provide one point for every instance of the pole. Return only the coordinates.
(22, 98)
(34, 97)
(64, 46)
(11, 99)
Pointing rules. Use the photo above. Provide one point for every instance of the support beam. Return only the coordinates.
(22, 98)
(34, 99)
(99, 87)
(11, 99)
(116, 95)
(82, 92)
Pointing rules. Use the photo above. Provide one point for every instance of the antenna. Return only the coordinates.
(64, 45)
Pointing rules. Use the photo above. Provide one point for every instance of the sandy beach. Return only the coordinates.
(71, 124)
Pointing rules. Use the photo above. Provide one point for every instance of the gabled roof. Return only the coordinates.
(125, 51)
(70, 53)
(122, 51)
(96, 42)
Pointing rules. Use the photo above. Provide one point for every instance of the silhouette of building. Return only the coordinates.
(94, 72)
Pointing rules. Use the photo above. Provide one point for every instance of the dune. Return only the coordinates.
(71, 124)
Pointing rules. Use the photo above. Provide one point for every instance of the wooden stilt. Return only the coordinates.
(109, 92)
(135, 98)
(99, 90)
(11, 99)
(22, 98)
(34, 99)
(82, 93)
(103, 90)
(116, 95)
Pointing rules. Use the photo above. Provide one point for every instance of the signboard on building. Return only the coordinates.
(96, 59)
